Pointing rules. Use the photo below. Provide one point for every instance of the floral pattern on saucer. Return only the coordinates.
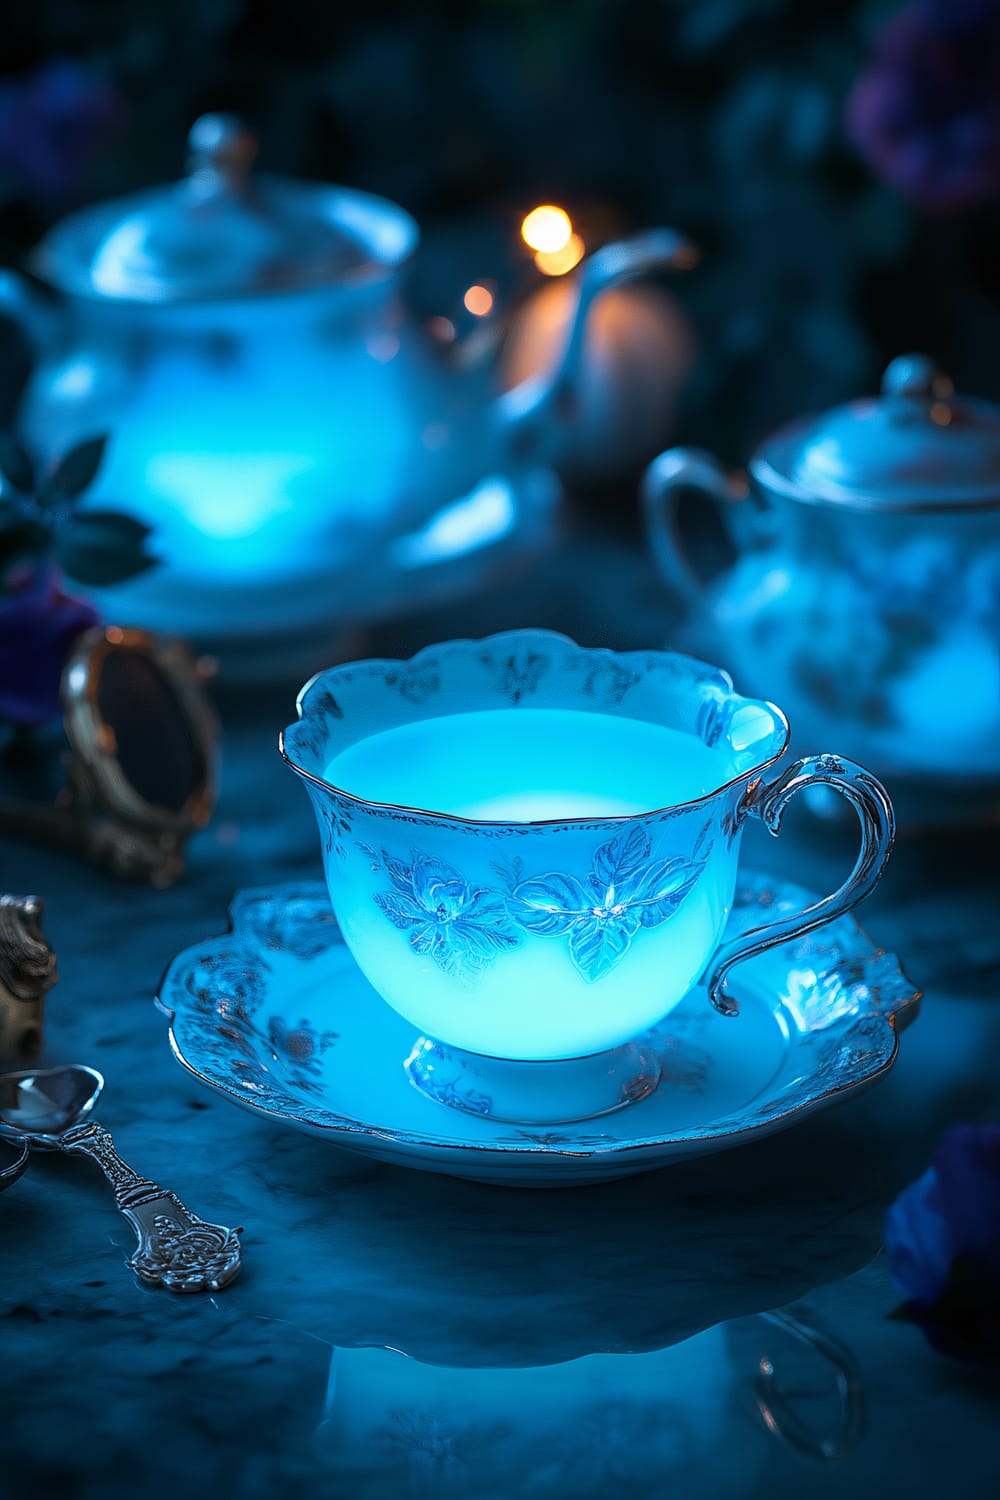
(227, 986)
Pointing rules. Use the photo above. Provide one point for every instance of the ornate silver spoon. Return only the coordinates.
(10, 1171)
(48, 1108)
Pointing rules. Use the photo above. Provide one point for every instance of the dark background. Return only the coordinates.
(832, 240)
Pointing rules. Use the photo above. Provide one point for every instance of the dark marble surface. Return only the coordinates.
(504, 1300)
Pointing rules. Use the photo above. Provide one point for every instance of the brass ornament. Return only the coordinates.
(27, 973)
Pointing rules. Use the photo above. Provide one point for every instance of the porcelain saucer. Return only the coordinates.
(276, 1016)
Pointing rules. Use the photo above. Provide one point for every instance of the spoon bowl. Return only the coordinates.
(42, 1104)
(50, 1109)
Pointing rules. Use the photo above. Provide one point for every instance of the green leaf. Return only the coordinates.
(15, 510)
(102, 547)
(15, 465)
(74, 472)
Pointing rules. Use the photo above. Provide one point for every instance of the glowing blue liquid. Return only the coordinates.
(524, 765)
(533, 1000)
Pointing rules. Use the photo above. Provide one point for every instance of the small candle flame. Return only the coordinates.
(547, 229)
(558, 262)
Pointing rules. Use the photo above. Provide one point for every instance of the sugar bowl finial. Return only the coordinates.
(918, 378)
(27, 973)
(221, 152)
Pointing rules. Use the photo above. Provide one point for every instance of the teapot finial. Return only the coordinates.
(221, 151)
(917, 377)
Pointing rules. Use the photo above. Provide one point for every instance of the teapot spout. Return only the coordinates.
(529, 415)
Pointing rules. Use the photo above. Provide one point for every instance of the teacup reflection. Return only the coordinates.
(697, 1414)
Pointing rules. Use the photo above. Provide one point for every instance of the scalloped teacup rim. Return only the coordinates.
(721, 679)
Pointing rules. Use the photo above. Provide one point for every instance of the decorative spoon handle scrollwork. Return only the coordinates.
(176, 1249)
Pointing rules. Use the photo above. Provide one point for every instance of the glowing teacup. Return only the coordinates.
(531, 849)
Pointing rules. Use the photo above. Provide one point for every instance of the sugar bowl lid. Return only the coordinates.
(916, 446)
(225, 231)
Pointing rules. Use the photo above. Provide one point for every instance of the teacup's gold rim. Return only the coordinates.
(611, 820)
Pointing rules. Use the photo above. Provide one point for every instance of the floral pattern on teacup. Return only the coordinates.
(516, 674)
(463, 927)
(625, 890)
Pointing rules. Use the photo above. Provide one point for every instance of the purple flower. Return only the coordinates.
(38, 625)
(53, 122)
(925, 112)
(942, 1236)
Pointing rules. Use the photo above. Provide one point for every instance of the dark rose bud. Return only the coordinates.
(942, 1236)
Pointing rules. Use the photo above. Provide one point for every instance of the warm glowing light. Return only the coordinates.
(558, 262)
(478, 301)
(547, 229)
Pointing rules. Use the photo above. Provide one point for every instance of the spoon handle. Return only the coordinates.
(176, 1249)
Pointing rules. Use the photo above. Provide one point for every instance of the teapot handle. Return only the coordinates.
(671, 473)
(38, 319)
(525, 411)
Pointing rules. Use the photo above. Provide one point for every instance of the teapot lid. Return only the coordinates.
(916, 446)
(225, 232)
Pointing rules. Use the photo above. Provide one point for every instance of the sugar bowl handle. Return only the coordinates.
(664, 482)
(768, 801)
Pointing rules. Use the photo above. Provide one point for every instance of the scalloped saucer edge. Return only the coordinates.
(275, 1015)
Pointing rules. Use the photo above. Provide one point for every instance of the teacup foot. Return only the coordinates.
(532, 1093)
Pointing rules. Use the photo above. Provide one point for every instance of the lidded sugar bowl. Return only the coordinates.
(864, 590)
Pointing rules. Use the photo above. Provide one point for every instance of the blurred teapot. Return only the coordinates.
(274, 414)
(864, 590)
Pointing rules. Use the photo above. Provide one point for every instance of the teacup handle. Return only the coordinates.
(671, 473)
(768, 801)
(778, 1411)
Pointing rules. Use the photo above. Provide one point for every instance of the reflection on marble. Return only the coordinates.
(597, 1425)
(111, 1391)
